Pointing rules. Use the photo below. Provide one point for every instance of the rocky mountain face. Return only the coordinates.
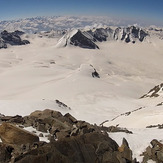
(130, 34)
(88, 38)
(154, 92)
(81, 40)
(11, 38)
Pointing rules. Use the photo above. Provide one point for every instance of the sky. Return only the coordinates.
(149, 11)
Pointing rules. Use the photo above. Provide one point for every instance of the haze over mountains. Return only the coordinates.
(38, 24)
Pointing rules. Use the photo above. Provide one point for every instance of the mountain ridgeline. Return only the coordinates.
(11, 38)
(89, 38)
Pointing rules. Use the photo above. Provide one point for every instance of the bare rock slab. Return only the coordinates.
(13, 135)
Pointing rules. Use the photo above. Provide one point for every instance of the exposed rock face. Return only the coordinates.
(79, 39)
(100, 34)
(12, 38)
(13, 135)
(2, 44)
(115, 129)
(125, 150)
(130, 34)
(154, 153)
(88, 39)
(88, 148)
(154, 92)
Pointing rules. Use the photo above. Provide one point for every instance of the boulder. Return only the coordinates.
(13, 135)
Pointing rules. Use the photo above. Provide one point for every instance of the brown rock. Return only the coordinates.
(62, 135)
(70, 118)
(13, 119)
(125, 150)
(41, 127)
(13, 135)
(79, 149)
(45, 114)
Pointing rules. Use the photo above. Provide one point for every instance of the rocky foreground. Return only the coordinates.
(70, 141)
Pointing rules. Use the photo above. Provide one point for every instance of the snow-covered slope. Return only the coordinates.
(42, 71)
(35, 75)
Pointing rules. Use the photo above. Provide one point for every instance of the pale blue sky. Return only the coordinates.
(150, 11)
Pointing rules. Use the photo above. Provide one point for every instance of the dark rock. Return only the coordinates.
(61, 104)
(85, 149)
(41, 135)
(13, 119)
(12, 38)
(5, 153)
(95, 74)
(79, 39)
(17, 32)
(143, 34)
(115, 129)
(100, 34)
(88, 39)
(127, 40)
(160, 104)
(2, 44)
(154, 91)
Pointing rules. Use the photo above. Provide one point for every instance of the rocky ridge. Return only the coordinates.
(154, 92)
(71, 140)
(88, 38)
(11, 38)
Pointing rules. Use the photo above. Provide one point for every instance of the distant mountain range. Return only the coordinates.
(84, 32)
(37, 24)
(88, 38)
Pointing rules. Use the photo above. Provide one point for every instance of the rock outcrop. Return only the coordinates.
(154, 152)
(79, 39)
(2, 44)
(13, 135)
(154, 92)
(89, 38)
(71, 140)
(11, 38)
